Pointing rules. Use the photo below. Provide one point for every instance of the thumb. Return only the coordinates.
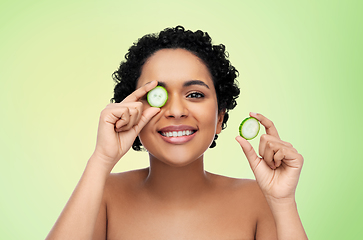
(145, 117)
(250, 153)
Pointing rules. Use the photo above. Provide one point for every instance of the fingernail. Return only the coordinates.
(253, 114)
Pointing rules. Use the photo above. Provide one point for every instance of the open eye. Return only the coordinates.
(195, 95)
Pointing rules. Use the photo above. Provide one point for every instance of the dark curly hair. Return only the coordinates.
(200, 44)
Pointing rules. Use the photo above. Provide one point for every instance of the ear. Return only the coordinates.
(220, 121)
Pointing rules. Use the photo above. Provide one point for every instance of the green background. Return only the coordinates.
(300, 64)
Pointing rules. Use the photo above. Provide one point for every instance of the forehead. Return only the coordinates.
(174, 66)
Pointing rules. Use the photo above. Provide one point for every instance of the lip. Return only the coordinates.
(178, 140)
(172, 128)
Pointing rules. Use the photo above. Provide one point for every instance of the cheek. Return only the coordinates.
(207, 116)
(144, 138)
(148, 132)
(145, 131)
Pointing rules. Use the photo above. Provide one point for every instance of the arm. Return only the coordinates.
(118, 127)
(78, 217)
(287, 219)
(277, 173)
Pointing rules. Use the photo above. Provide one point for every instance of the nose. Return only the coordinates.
(175, 107)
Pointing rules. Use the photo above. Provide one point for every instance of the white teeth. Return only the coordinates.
(177, 134)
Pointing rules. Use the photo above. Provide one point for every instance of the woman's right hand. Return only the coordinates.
(120, 123)
(118, 127)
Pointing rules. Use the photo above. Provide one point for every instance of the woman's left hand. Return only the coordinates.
(278, 169)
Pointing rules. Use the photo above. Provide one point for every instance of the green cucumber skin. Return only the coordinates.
(240, 128)
(148, 94)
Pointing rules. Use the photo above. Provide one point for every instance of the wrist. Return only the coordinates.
(96, 161)
(287, 219)
(281, 205)
(280, 201)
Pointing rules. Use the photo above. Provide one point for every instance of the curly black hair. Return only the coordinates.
(199, 43)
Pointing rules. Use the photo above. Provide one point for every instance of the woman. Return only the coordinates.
(175, 198)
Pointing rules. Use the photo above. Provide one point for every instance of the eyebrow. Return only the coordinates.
(187, 83)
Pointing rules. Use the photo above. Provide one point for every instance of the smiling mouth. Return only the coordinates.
(177, 133)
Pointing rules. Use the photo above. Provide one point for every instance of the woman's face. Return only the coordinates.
(190, 111)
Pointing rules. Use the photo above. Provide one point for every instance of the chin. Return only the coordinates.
(178, 158)
(177, 155)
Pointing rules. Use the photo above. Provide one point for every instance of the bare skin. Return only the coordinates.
(223, 208)
(175, 198)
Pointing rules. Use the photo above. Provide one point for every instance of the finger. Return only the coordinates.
(139, 108)
(123, 104)
(125, 115)
(278, 157)
(124, 118)
(140, 92)
(289, 157)
(137, 112)
(145, 118)
(281, 153)
(268, 138)
(111, 115)
(250, 153)
(268, 156)
(267, 123)
(263, 140)
(132, 120)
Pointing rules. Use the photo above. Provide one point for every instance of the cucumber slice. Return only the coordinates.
(157, 97)
(249, 128)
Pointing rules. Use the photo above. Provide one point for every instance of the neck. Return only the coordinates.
(176, 183)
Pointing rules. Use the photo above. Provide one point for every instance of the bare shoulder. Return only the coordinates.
(234, 184)
(242, 190)
(246, 205)
(125, 181)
